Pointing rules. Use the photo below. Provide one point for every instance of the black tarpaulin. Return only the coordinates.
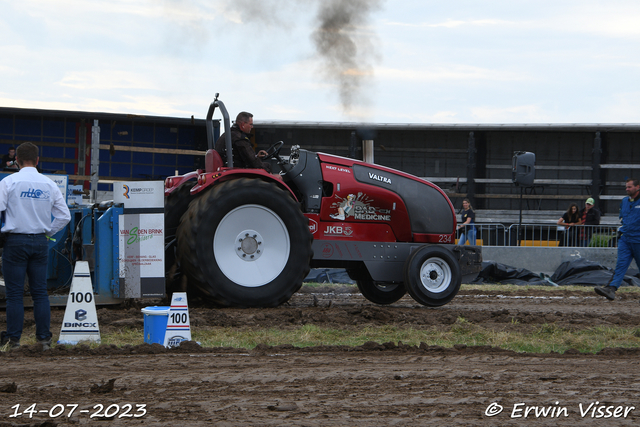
(576, 272)
(494, 272)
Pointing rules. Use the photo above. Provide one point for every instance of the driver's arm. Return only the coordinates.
(245, 150)
(262, 154)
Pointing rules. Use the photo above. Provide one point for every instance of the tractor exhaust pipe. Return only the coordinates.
(367, 134)
(367, 150)
(227, 126)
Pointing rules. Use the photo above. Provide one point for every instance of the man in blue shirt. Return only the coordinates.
(29, 200)
(629, 242)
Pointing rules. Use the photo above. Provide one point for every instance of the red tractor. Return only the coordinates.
(247, 238)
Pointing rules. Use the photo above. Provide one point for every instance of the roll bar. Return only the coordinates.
(227, 126)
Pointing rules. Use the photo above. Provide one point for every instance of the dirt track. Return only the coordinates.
(373, 384)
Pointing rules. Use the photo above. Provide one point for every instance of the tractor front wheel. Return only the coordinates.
(432, 275)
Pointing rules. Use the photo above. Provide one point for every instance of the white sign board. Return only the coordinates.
(62, 181)
(141, 238)
(139, 194)
(74, 195)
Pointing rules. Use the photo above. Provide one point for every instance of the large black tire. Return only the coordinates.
(432, 275)
(245, 243)
(376, 292)
(175, 205)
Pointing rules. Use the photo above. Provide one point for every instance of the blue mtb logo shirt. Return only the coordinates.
(36, 193)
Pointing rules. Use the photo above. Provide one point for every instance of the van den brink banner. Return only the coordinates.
(141, 238)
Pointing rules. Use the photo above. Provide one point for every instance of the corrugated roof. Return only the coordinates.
(570, 127)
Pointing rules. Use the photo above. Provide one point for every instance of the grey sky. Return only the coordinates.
(408, 61)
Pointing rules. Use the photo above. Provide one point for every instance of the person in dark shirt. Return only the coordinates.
(9, 159)
(589, 216)
(569, 220)
(467, 222)
(243, 154)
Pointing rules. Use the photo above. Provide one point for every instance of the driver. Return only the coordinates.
(243, 154)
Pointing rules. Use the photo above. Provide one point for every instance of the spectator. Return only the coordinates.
(629, 240)
(590, 216)
(29, 201)
(467, 222)
(9, 160)
(569, 220)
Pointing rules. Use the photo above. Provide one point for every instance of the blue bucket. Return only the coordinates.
(155, 324)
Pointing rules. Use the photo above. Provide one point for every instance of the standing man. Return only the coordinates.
(589, 216)
(29, 199)
(629, 242)
(243, 154)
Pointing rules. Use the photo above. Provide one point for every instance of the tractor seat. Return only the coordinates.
(212, 161)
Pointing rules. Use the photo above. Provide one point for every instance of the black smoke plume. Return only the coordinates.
(345, 44)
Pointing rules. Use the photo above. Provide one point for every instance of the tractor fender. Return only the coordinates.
(177, 181)
(206, 180)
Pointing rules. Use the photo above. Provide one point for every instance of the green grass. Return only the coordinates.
(546, 338)
(520, 288)
(543, 338)
(492, 288)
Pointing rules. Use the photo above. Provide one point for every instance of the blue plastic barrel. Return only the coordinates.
(155, 324)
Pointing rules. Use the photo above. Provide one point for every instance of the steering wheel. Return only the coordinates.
(274, 150)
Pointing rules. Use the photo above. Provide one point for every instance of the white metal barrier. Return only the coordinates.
(544, 235)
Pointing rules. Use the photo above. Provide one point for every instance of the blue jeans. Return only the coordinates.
(26, 254)
(469, 234)
(626, 252)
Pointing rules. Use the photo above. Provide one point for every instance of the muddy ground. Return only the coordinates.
(375, 384)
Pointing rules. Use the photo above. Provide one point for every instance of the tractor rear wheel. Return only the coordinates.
(432, 275)
(376, 292)
(245, 243)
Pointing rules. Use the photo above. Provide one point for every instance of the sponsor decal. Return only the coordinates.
(358, 207)
(80, 324)
(313, 226)
(338, 230)
(137, 235)
(81, 314)
(327, 250)
(379, 178)
(338, 168)
(175, 341)
(132, 191)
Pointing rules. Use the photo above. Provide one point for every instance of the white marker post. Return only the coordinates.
(80, 318)
(178, 328)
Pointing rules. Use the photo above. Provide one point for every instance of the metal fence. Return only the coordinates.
(545, 235)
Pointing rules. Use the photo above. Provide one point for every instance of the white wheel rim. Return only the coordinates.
(435, 275)
(266, 233)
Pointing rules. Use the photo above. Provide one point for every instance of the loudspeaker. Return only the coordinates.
(523, 170)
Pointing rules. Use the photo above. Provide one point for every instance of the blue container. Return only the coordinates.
(155, 324)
